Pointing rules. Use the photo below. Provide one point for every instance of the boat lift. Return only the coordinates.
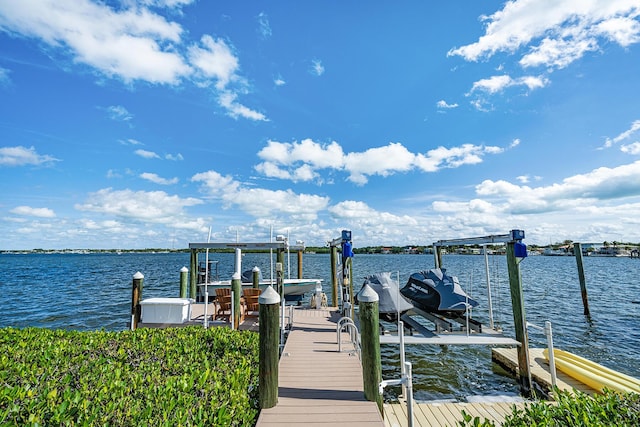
(461, 329)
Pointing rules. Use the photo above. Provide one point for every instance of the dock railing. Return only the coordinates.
(347, 323)
(406, 377)
(549, 334)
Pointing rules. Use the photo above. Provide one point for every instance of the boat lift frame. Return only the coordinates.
(516, 251)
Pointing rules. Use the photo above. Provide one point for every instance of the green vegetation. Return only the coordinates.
(579, 409)
(158, 377)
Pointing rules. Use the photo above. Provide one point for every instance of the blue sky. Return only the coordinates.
(139, 124)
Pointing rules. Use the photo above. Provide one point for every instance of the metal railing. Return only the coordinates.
(348, 324)
(405, 380)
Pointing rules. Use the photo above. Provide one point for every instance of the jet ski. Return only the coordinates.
(390, 303)
(435, 291)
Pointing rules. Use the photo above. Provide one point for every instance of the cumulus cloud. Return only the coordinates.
(443, 105)
(564, 30)
(601, 184)
(635, 126)
(132, 44)
(260, 202)
(299, 161)
(150, 206)
(147, 154)
(37, 212)
(152, 177)
(499, 83)
(21, 156)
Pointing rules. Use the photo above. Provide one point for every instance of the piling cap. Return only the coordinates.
(269, 296)
(256, 269)
(367, 294)
(184, 270)
(138, 275)
(236, 276)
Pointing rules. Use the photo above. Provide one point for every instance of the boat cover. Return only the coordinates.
(391, 302)
(434, 290)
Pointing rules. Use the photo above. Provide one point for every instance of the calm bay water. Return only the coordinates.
(93, 291)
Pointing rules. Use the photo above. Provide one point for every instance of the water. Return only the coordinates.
(93, 291)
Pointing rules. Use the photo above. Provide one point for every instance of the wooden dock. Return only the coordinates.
(447, 414)
(318, 385)
(540, 374)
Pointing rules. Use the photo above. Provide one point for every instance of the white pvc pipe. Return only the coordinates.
(486, 268)
(552, 362)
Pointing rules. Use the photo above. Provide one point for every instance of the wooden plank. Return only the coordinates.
(317, 384)
(540, 373)
(447, 414)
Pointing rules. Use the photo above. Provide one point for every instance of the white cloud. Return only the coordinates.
(147, 154)
(215, 60)
(299, 161)
(119, 113)
(316, 67)
(157, 179)
(442, 104)
(4, 76)
(261, 202)
(633, 149)
(150, 206)
(279, 81)
(496, 84)
(581, 190)
(37, 212)
(228, 101)
(174, 157)
(566, 30)
(264, 28)
(132, 44)
(635, 126)
(21, 156)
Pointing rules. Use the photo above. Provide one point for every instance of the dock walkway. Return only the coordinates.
(318, 385)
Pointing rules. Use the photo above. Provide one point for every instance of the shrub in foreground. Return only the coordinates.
(572, 409)
(172, 377)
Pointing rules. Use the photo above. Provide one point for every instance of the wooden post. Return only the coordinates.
(255, 277)
(334, 276)
(577, 250)
(519, 320)
(236, 290)
(370, 341)
(437, 253)
(280, 256)
(183, 282)
(300, 264)
(136, 296)
(193, 279)
(269, 344)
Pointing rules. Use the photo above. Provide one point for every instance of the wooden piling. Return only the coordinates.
(300, 264)
(255, 277)
(577, 250)
(519, 320)
(334, 276)
(370, 341)
(437, 254)
(184, 272)
(236, 289)
(193, 279)
(269, 301)
(136, 297)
